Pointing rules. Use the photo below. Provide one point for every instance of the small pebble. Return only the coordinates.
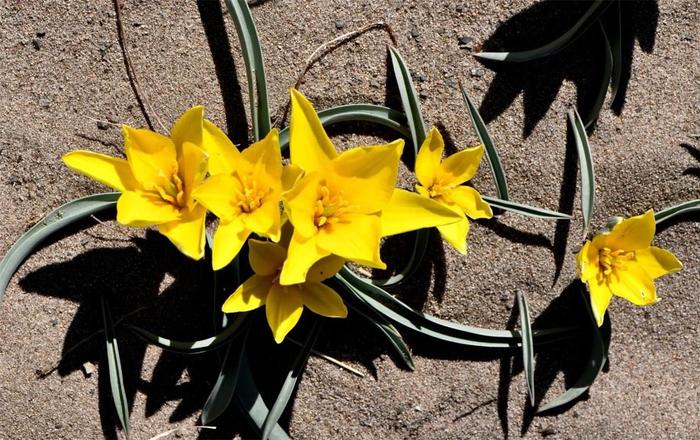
(102, 125)
(549, 430)
(459, 8)
(339, 24)
(466, 42)
(37, 43)
(41, 34)
(415, 33)
(422, 78)
(477, 72)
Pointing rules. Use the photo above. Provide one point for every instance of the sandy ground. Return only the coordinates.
(64, 83)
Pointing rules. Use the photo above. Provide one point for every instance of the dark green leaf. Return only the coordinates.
(594, 112)
(499, 176)
(616, 49)
(290, 381)
(673, 211)
(525, 209)
(528, 347)
(114, 365)
(586, 164)
(255, 69)
(589, 17)
(56, 220)
(409, 99)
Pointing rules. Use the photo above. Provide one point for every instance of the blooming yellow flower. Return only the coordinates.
(337, 206)
(442, 181)
(244, 192)
(285, 304)
(622, 262)
(156, 180)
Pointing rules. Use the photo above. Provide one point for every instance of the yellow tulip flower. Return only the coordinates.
(156, 180)
(622, 262)
(337, 207)
(244, 192)
(285, 304)
(442, 181)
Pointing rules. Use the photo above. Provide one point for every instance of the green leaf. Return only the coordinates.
(589, 17)
(290, 381)
(193, 347)
(529, 211)
(673, 211)
(56, 220)
(409, 99)
(255, 69)
(597, 358)
(499, 175)
(114, 365)
(528, 347)
(223, 391)
(586, 165)
(594, 112)
(616, 51)
(377, 114)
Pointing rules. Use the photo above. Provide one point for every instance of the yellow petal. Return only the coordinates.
(301, 255)
(219, 193)
(290, 175)
(360, 169)
(249, 296)
(152, 156)
(267, 154)
(633, 233)
(187, 234)
(461, 166)
(300, 204)
(587, 262)
(223, 154)
(429, 156)
(265, 258)
(309, 145)
(140, 209)
(325, 268)
(408, 211)
(265, 220)
(456, 233)
(600, 299)
(633, 284)
(657, 262)
(228, 241)
(323, 300)
(283, 310)
(356, 238)
(108, 170)
(188, 127)
(192, 167)
(471, 202)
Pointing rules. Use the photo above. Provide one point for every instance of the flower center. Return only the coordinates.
(439, 190)
(610, 261)
(173, 191)
(251, 195)
(330, 207)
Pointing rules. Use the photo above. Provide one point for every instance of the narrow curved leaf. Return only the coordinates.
(499, 175)
(594, 112)
(527, 210)
(586, 165)
(673, 211)
(290, 381)
(616, 50)
(114, 365)
(589, 17)
(56, 220)
(528, 347)
(409, 99)
(254, 66)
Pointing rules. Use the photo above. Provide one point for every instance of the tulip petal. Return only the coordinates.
(356, 237)
(587, 262)
(323, 300)
(152, 156)
(111, 171)
(325, 268)
(266, 152)
(219, 194)
(187, 234)
(310, 147)
(471, 202)
(300, 204)
(456, 233)
(250, 295)
(408, 211)
(301, 255)
(188, 127)
(633, 284)
(461, 166)
(223, 154)
(600, 299)
(265, 258)
(228, 241)
(140, 209)
(283, 310)
(359, 169)
(265, 220)
(633, 233)
(429, 157)
(657, 262)
(192, 167)
(290, 175)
